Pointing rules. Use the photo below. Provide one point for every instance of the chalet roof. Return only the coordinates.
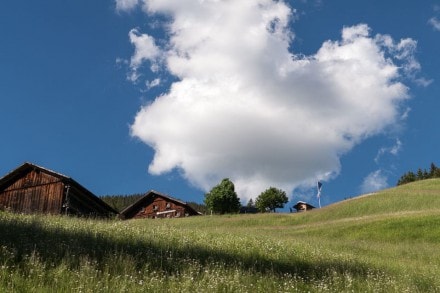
(303, 202)
(26, 167)
(152, 193)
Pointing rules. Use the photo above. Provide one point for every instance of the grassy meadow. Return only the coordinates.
(385, 242)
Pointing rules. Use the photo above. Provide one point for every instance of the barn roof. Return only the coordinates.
(26, 167)
(152, 193)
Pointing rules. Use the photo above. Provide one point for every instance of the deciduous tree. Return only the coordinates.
(270, 199)
(222, 198)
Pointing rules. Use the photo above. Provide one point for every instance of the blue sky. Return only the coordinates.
(129, 96)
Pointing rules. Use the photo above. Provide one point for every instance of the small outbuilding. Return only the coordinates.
(34, 189)
(157, 205)
(302, 206)
(248, 210)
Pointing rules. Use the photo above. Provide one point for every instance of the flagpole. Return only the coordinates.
(319, 186)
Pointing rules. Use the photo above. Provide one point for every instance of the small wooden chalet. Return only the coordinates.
(34, 189)
(157, 205)
(302, 206)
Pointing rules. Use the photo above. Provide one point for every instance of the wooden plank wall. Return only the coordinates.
(34, 192)
(148, 210)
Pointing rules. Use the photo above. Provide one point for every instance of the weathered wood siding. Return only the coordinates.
(35, 191)
(80, 204)
(158, 207)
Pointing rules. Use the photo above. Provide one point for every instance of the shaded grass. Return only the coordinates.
(352, 246)
(120, 256)
(167, 255)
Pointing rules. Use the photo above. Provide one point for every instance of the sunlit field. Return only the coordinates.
(386, 242)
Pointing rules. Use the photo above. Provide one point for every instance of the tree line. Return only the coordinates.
(421, 174)
(121, 201)
(221, 199)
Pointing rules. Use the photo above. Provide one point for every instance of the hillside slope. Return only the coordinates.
(421, 196)
(385, 242)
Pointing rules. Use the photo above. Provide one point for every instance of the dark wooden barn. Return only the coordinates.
(34, 189)
(157, 205)
(302, 206)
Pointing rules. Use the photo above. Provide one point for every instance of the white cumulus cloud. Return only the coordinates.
(375, 181)
(145, 50)
(435, 23)
(247, 108)
(126, 5)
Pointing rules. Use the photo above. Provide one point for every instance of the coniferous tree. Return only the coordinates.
(434, 172)
(426, 174)
(407, 178)
(121, 201)
(198, 207)
(420, 174)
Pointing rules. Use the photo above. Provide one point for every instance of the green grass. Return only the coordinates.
(386, 242)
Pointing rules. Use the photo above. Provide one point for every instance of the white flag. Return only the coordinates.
(319, 185)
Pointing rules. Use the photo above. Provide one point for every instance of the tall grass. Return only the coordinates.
(386, 249)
